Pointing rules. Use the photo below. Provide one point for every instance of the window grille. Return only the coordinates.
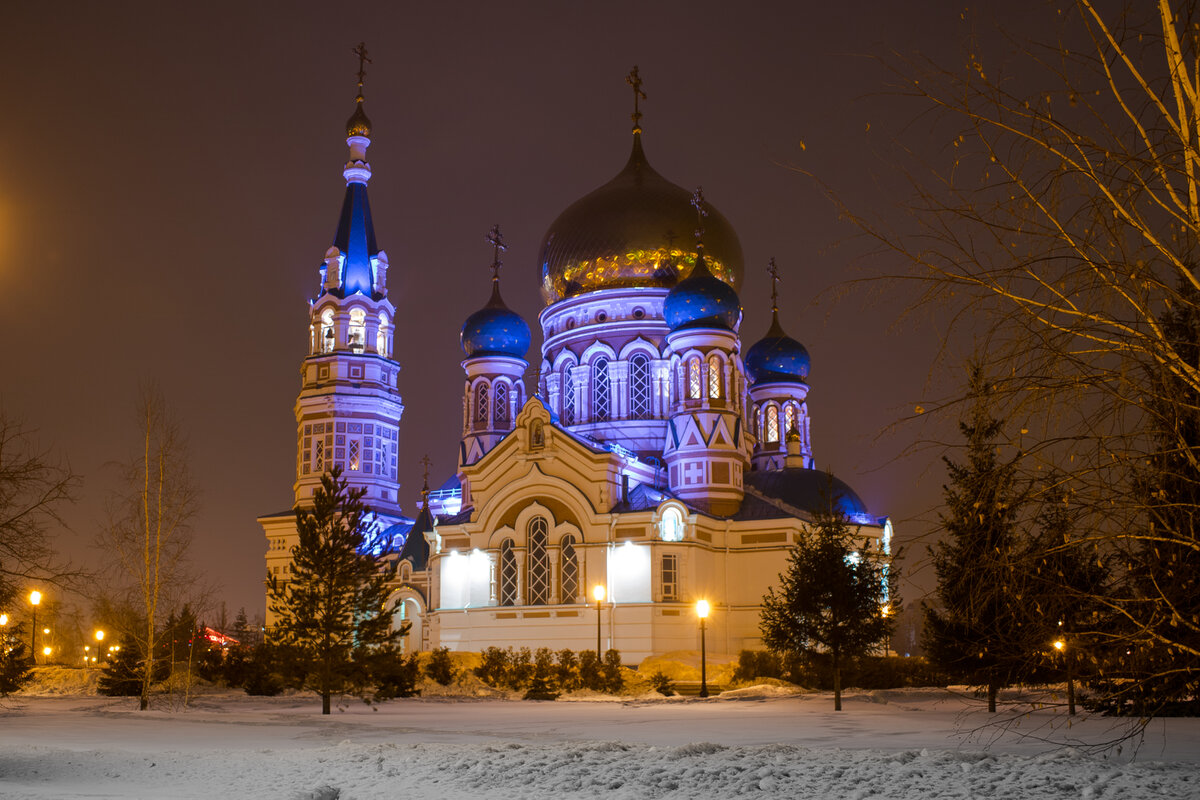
(670, 577)
(481, 405)
(639, 387)
(501, 405)
(354, 455)
(714, 377)
(789, 419)
(600, 387)
(508, 574)
(539, 562)
(772, 423)
(570, 571)
(568, 402)
(694, 378)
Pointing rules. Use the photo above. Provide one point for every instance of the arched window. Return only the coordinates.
(381, 338)
(600, 386)
(693, 377)
(569, 570)
(501, 404)
(671, 525)
(568, 401)
(358, 329)
(327, 336)
(508, 574)
(639, 386)
(789, 419)
(538, 563)
(481, 405)
(772, 424)
(714, 376)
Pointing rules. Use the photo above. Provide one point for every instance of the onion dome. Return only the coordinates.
(777, 357)
(633, 231)
(702, 301)
(358, 124)
(495, 330)
(811, 490)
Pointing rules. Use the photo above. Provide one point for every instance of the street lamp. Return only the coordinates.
(702, 613)
(598, 594)
(35, 597)
(99, 640)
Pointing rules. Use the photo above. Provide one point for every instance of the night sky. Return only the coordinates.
(170, 178)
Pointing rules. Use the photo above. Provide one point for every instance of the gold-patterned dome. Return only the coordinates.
(359, 123)
(636, 230)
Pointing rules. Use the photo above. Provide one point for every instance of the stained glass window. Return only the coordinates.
(714, 376)
(693, 376)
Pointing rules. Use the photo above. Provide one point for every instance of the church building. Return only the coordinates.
(650, 461)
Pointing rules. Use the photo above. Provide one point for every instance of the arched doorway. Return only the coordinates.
(410, 609)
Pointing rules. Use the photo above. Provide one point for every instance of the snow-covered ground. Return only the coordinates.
(757, 743)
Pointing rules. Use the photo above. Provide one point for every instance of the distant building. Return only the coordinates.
(656, 457)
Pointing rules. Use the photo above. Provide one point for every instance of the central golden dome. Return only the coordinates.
(636, 230)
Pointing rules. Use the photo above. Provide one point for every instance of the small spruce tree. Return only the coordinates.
(14, 663)
(833, 598)
(332, 607)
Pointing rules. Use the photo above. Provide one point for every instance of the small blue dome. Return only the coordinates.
(702, 301)
(495, 330)
(777, 358)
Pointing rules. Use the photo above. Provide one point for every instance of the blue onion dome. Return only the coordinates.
(633, 231)
(777, 357)
(495, 330)
(358, 124)
(702, 301)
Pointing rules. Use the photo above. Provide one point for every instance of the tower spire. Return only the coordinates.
(634, 80)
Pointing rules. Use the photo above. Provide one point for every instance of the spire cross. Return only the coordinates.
(363, 60)
(427, 463)
(634, 80)
(773, 271)
(698, 204)
(498, 246)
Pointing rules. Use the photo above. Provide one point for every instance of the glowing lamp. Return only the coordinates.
(3, 619)
(1059, 644)
(702, 609)
(46, 631)
(35, 597)
(46, 651)
(99, 636)
(598, 593)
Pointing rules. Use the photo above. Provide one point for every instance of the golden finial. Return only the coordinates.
(498, 246)
(773, 271)
(634, 80)
(359, 124)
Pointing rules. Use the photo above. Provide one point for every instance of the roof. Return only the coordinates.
(355, 239)
(811, 490)
(416, 547)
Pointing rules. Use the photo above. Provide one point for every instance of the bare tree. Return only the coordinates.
(1065, 235)
(148, 529)
(33, 488)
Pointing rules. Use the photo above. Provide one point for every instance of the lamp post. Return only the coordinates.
(598, 593)
(99, 640)
(35, 597)
(702, 613)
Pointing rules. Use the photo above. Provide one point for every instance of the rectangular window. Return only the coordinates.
(670, 577)
(354, 455)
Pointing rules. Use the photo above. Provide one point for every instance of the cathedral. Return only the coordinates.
(654, 462)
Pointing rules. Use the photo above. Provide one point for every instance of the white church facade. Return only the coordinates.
(655, 458)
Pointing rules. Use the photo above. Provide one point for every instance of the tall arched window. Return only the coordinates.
(639, 386)
(482, 418)
(508, 574)
(772, 424)
(600, 386)
(539, 562)
(501, 404)
(569, 570)
(693, 377)
(789, 418)
(358, 329)
(568, 401)
(714, 376)
(327, 335)
(381, 338)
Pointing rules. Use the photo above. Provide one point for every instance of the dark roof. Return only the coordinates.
(355, 239)
(457, 519)
(811, 490)
(416, 548)
(641, 498)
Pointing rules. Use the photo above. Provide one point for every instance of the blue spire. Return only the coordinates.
(355, 239)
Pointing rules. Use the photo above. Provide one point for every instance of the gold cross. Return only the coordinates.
(361, 52)
(425, 460)
(773, 271)
(634, 80)
(498, 246)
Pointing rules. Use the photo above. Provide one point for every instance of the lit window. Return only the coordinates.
(481, 405)
(539, 562)
(670, 577)
(639, 387)
(600, 395)
(381, 338)
(789, 418)
(327, 337)
(569, 569)
(354, 455)
(358, 329)
(508, 574)
(714, 377)
(568, 402)
(671, 525)
(772, 424)
(501, 405)
(693, 369)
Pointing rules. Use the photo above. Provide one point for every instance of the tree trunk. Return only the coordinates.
(325, 702)
(993, 690)
(837, 683)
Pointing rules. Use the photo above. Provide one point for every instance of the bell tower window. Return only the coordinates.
(358, 329)
(381, 338)
(327, 335)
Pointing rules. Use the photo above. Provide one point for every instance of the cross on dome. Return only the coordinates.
(773, 271)
(361, 52)
(496, 240)
(698, 204)
(634, 80)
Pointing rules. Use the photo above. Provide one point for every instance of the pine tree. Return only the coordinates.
(15, 664)
(833, 598)
(978, 633)
(333, 607)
